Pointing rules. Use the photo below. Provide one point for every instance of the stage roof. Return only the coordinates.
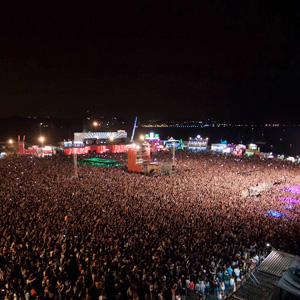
(267, 277)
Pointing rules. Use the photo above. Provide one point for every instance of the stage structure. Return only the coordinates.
(154, 141)
(177, 144)
(139, 162)
(33, 150)
(97, 142)
(220, 147)
(99, 149)
(138, 157)
(197, 144)
(99, 136)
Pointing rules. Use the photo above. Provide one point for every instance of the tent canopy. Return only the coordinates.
(290, 281)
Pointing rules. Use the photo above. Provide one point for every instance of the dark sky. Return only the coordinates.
(232, 60)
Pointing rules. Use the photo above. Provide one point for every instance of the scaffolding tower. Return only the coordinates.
(143, 154)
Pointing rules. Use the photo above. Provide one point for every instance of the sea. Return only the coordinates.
(280, 140)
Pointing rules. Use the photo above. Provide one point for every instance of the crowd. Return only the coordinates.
(111, 234)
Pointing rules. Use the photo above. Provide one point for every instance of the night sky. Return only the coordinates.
(231, 60)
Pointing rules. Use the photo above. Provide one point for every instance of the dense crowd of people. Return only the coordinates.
(111, 234)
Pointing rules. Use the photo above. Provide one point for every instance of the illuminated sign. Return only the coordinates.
(151, 136)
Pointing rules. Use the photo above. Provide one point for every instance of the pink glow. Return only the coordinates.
(290, 200)
(293, 189)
